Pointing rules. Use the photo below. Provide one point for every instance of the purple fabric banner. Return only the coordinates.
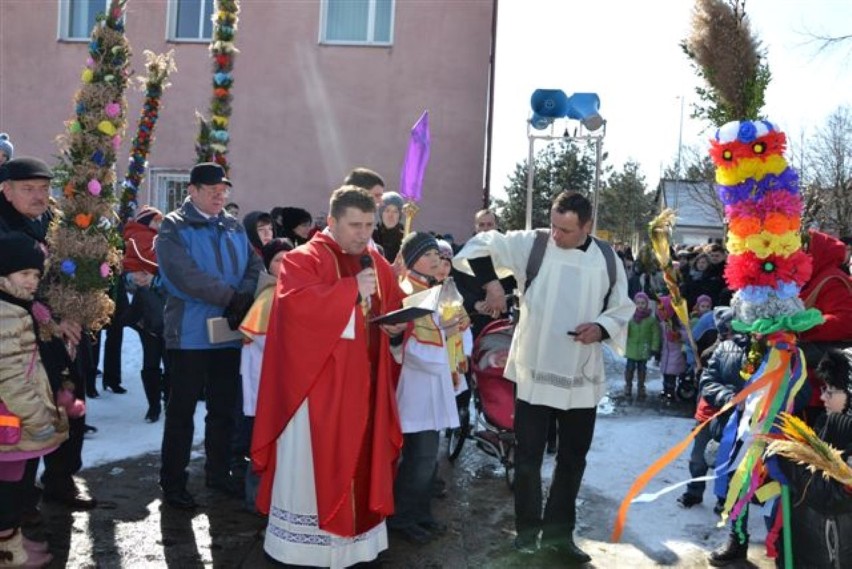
(416, 159)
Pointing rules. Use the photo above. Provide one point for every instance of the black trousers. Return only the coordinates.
(576, 428)
(17, 496)
(217, 372)
(67, 460)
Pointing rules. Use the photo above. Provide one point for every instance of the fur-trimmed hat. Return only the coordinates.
(6, 146)
(20, 251)
(835, 370)
(415, 245)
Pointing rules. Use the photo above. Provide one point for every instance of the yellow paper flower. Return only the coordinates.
(764, 244)
(220, 121)
(107, 128)
(755, 168)
(87, 76)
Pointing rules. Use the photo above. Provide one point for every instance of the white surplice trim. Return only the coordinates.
(293, 534)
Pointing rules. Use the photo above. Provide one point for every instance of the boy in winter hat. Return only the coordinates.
(32, 425)
(425, 395)
(821, 520)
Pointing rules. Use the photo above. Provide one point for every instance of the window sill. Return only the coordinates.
(204, 41)
(328, 43)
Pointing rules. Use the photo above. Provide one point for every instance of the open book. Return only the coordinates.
(414, 306)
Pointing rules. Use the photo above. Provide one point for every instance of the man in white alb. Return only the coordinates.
(556, 358)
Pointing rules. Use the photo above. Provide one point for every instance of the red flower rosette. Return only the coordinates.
(749, 270)
(724, 155)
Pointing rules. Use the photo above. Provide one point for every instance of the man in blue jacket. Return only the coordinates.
(209, 271)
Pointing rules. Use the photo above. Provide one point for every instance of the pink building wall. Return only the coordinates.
(304, 113)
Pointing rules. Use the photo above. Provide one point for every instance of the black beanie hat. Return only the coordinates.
(415, 245)
(20, 251)
(273, 248)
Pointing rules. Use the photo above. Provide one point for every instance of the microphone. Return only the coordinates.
(366, 263)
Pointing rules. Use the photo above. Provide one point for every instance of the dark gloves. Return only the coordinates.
(238, 308)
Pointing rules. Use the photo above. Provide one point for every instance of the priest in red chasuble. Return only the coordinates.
(326, 435)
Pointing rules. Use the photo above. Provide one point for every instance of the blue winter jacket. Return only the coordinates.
(203, 262)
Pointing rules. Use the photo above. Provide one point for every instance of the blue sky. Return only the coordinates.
(628, 53)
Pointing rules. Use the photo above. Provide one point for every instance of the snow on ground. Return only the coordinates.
(627, 440)
(122, 430)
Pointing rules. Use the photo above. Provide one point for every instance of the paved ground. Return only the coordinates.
(131, 528)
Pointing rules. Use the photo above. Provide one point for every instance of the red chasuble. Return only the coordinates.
(355, 432)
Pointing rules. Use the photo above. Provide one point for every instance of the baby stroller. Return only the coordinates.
(493, 400)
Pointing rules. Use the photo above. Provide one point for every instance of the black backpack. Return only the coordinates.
(537, 254)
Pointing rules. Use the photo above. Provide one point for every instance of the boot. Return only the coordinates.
(14, 553)
(640, 388)
(151, 382)
(628, 385)
(731, 552)
(668, 388)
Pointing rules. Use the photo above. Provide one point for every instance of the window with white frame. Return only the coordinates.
(191, 20)
(168, 189)
(77, 18)
(357, 22)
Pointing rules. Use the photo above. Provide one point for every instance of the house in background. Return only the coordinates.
(320, 86)
(699, 213)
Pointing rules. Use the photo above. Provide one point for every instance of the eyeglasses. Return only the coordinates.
(830, 391)
(213, 192)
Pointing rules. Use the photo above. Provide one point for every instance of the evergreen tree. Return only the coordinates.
(625, 206)
(564, 165)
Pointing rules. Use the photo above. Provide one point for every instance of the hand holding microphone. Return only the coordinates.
(366, 280)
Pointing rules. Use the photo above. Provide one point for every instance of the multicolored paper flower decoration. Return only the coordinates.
(213, 138)
(159, 68)
(761, 197)
(80, 248)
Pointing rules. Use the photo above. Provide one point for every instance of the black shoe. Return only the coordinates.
(92, 393)
(687, 500)
(89, 429)
(153, 414)
(719, 507)
(414, 534)
(179, 499)
(731, 552)
(226, 485)
(568, 551)
(525, 546)
(72, 497)
(434, 527)
(115, 388)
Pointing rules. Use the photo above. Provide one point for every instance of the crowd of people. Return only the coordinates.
(720, 358)
(324, 404)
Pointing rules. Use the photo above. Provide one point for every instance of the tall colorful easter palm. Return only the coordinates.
(83, 237)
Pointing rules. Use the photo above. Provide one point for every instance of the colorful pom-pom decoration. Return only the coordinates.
(94, 187)
(766, 265)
